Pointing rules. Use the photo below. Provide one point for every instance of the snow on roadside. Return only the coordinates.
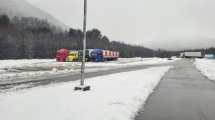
(11, 70)
(113, 97)
(51, 63)
(22, 62)
(206, 67)
(31, 74)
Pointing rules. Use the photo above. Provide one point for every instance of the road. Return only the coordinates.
(183, 94)
(24, 84)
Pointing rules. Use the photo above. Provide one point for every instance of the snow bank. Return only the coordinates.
(113, 97)
(33, 64)
(207, 67)
(28, 69)
(50, 63)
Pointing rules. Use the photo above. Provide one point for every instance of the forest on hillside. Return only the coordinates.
(28, 37)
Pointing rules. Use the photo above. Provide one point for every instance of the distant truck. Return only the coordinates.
(191, 55)
(209, 56)
(72, 56)
(62, 55)
(100, 55)
(88, 55)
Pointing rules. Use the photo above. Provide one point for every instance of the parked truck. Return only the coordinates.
(94, 55)
(209, 56)
(99, 55)
(191, 55)
(62, 55)
(87, 56)
(72, 56)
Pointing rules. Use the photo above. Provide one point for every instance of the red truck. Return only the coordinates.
(62, 55)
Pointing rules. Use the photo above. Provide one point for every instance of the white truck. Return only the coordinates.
(191, 55)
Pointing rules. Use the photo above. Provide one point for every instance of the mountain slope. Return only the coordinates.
(22, 8)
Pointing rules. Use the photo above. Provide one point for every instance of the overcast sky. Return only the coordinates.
(167, 24)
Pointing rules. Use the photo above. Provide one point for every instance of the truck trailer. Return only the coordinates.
(191, 55)
(99, 55)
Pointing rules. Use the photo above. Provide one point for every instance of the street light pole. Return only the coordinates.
(84, 44)
(82, 86)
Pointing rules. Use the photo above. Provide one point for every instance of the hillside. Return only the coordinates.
(22, 8)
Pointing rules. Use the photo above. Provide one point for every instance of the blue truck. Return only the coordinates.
(99, 55)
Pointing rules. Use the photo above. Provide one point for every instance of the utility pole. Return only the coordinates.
(82, 84)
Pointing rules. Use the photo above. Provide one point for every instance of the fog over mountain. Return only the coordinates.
(166, 24)
(22, 8)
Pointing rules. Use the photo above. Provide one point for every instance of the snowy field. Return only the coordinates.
(11, 70)
(113, 97)
(207, 67)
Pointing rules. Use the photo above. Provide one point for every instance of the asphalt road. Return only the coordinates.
(24, 84)
(183, 94)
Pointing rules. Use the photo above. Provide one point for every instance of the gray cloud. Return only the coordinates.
(166, 24)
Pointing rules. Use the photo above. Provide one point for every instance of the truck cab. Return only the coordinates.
(97, 55)
(72, 57)
(62, 54)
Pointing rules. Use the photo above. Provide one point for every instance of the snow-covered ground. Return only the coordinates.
(113, 97)
(18, 69)
(207, 67)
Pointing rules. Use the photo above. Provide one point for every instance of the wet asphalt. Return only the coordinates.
(183, 94)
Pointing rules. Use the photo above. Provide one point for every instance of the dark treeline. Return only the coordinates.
(27, 37)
